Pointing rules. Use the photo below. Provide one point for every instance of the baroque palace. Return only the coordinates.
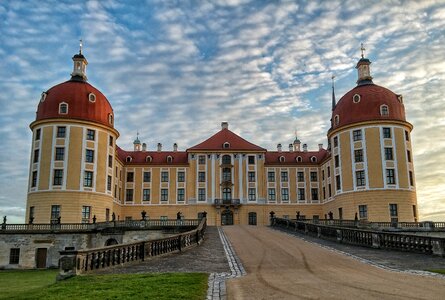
(78, 173)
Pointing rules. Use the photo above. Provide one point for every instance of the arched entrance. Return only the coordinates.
(110, 242)
(252, 218)
(226, 217)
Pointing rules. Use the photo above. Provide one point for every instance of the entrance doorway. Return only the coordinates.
(41, 258)
(226, 217)
(252, 218)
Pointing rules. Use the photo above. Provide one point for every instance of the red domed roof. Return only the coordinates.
(368, 107)
(76, 94)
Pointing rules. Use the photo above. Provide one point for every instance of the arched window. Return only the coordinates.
(336, 119)
(226, 160)
(299, 159)
(227, 194)
(169, 159)
(313, 159)
(282, 159)
(148, 158)
(92, 97)
(110, 119)
(384, 110)
(226, 145)
(128, 159)
(63, 108)
(356, 98)
(43, 96)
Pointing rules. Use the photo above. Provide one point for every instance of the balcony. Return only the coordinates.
(227, 202)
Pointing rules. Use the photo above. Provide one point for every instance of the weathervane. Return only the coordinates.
(363, 51)
(80, 46)
(333, 77)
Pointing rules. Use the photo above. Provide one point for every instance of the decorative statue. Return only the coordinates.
(331, 215)
(113, 217)
(143, 214)
(94, 219)
(4, 219)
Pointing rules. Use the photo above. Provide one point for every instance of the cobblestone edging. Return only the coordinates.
(217, 281)
(363, 260)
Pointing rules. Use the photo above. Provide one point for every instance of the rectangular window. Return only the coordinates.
(408, 155)
(251, 176)
(164, 176)
(201, 159)
(285, 194)
(322, 174)
(88, 179)
(390, 176)
(38, 131)
(386, 132)
(55, 213)
(14, 256)
(314, 176)
(414, 212)
(164, 195)
(314, 193)
(147, 176)
(284, 176)
(335, 141)
(338, 182)
(61, 131)
(251, 159)
(329, 190)
(406, 136)
(181, 195)
(146, 194)
(357, 135)
(86, 210)
(129, 195)
(130, 176)
(60, 153)
(110, 161)
(337, 161)
(58, 177)
(201, 176)
(271, 176)
(360, 178)
(31, 214)
(329, 171)
(181, 176)
(388, 154)
(90, 134)
(252, 194)
(411, 178)
(34, 179)
(201, 194)
(109, 183)
(324, 193)
(300, 176)
(36, 156)
(393, 210)
(271, 192)
(89, 156)
(358, 155)
(363, 211)
(300, 195)
(110, 141)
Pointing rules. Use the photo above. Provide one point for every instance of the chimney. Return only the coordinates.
(224, 125)
(159, 147)
(291, 148)
(305, 147)
(320, 146)
(175, 147)
(144, 147)
(279, 147)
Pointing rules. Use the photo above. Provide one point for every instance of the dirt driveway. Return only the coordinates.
(283, 267)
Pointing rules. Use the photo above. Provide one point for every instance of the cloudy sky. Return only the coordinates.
(173, 70)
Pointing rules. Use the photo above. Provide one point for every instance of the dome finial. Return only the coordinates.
(362, 48)
(364, 69)
(80, 65)
(80, 46)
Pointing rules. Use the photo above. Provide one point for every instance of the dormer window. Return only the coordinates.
(313, 159)
(282, 159)
(148, 159)
(169, 159)
(43, 96)
(299, 159)
(110, 119)
(92, 97)
(336, 119)
(356, 98)
(63, 108)
(384, 111)
(400, 98)
(128, 159)
(226, 145)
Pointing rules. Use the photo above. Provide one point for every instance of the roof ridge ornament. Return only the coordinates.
(362, 48)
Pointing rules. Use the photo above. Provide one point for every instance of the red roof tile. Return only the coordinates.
(290, 158)
(157, 158)
(216, 142)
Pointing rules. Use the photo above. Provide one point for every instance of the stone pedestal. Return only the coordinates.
(67, 263)
(375, 241)
(339, 235)
(438, 247)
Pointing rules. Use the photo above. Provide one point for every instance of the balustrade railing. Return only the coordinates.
(361, 223)
(366, 238)
(82, 261)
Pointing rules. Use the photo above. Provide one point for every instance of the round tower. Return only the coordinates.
(73, 153)
(371, 154)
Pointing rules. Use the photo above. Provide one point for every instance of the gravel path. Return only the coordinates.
(280, 266)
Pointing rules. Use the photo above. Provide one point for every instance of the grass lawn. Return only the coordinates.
(123, 286)
(440, 271)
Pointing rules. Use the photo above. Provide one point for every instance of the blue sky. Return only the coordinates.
(173, 70)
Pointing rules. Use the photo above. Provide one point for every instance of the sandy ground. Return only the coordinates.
(283, 267)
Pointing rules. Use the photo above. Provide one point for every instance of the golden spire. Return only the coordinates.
(362, 48)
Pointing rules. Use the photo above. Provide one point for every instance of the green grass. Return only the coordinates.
(122, 286)
(440, 271)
